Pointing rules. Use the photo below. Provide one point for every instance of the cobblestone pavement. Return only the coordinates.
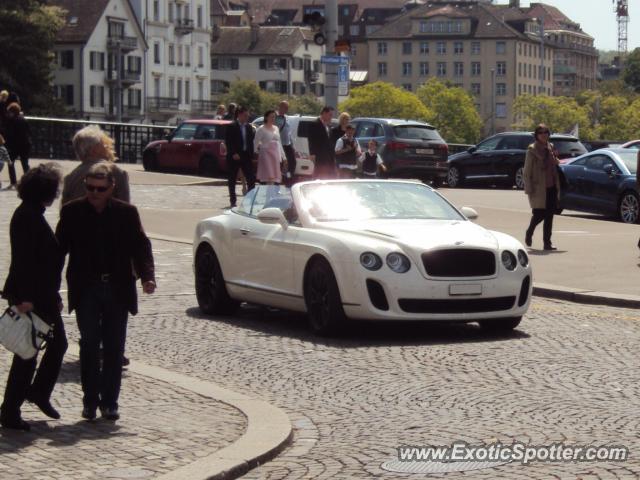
(568, 374)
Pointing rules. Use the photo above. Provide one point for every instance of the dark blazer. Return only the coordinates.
(36, 260)
(320, 144)
(18, 135)
(233, 139)
(128, 249)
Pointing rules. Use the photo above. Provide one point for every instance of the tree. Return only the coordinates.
(28, 32)
(305, 105)
(452, 111)
(381, 99)
(561, 114)
(631, 72)
(246, 93)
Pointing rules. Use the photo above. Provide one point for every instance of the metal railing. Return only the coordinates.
(182, 26)
(162, 104)
(125, 43)
(202, 106)
(51, 137)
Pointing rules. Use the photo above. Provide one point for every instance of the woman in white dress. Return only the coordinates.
(271, 155)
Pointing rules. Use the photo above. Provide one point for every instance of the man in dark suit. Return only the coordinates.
(107, 248)
(321, 152)
(239, 140)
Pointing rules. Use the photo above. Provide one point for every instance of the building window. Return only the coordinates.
(172, 88)
(276, 86)
(156, 87)
(519, 69)
(199, 16)
(219, 86)
(458, 48)
(441, 48)
(170, 12)
(424, 48)
(442, 69)
(406, 69)
(156, 53)
(272, 63)
(156, 10)
(501, 69)
(475, 48)
(406, 48)
(354, 30)
(519, 49)
(225, 63)
(354, 51)
(475, 88)
(96, 61)
(501, 110)
(382, 48)
(66, 59)
(448, 26)
(135, 98)
(501, 89)
(382, 69)
(200, 56)
(172, 54)
(519, 89)
(65, 93)
(180, 55)
(458, 69)
(501, 48)
(187, 55)
(424, 69)
(134, 64)
(96, 96)
(407, 86)
(179, 85)
(475, 69)
(187, 92)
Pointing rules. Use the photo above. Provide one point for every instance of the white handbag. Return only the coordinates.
(304, 166)
(24, 333)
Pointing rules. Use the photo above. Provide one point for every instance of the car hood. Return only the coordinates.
(155, 144)
(422, 234)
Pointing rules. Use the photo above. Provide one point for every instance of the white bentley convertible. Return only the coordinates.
(360, 249)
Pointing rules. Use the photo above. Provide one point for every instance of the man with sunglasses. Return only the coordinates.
(107, 248)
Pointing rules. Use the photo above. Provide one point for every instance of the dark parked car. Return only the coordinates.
(409, 149)
(603, 181)
(195, 146)
(500, 158)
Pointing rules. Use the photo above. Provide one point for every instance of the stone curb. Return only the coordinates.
(268, 432)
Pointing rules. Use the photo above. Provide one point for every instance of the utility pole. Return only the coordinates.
(331, 70)
(493, 101)
(542, 72)
(119, 61)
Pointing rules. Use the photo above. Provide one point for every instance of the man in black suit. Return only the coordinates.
(321, 152)
(107, 249)
(239, 140)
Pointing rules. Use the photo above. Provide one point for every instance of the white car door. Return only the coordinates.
(263, 253)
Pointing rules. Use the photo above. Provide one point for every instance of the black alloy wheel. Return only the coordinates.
(149, 161)
(322, 298)
(211, 290)
(455, 177)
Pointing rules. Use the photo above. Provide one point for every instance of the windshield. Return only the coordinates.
(568, 147)
(416, 132)
(630, 159)
(380, 200)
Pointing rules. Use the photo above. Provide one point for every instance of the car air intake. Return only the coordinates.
(459, 262)
(524, 291)
(377, 295)
(466, 305)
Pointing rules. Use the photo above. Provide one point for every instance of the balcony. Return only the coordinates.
(162, 104)
(183, 26)
(125, 44)
(127, 77)
(203, 106)
(576, 47)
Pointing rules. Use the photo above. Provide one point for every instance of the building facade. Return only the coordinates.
(177, 65)
(282, 60)
(98, 61)
(469, 45)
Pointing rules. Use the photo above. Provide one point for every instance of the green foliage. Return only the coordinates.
(305, 105)
(607, 56)
(561, 114)
(631, 72)
(27, 36)
(452, 111)
(383, 100)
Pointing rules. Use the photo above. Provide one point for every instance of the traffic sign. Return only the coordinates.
(343, 80)
(334, 60)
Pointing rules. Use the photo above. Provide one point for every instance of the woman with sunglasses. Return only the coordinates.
(32, 285)
(542, 185)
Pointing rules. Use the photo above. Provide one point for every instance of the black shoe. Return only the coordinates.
(45, 407)
(549, 246)
(89, 413)
(15, 424)
(125, 361)
(110, 413)
(528, 240)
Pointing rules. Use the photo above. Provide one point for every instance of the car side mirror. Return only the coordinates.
(471, 149)
(272, 216)
(469, 212)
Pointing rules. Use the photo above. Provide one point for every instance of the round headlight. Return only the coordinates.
(523, 258)
(398, 262)
(509, 260)
(370, 261)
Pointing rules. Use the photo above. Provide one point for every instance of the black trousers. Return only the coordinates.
(19, 383)
(246, 165)
(24, 160)
(291, 162)
(545, 214)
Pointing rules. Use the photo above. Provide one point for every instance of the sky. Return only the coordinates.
(598, 19)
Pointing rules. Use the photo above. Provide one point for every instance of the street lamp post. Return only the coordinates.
(493, 101)
(542, 72)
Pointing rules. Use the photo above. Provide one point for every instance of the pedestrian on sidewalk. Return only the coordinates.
(107, 249)
(372, 163)
(340, 129)
(93, 145)
(321, 148)
(348, 153)
(239, 140)
(18, 138)
(271, 156)
(33, 284)
(542, 185)
(638, 179)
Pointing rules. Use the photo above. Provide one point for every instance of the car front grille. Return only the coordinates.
(466, 305)
(459, 262)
